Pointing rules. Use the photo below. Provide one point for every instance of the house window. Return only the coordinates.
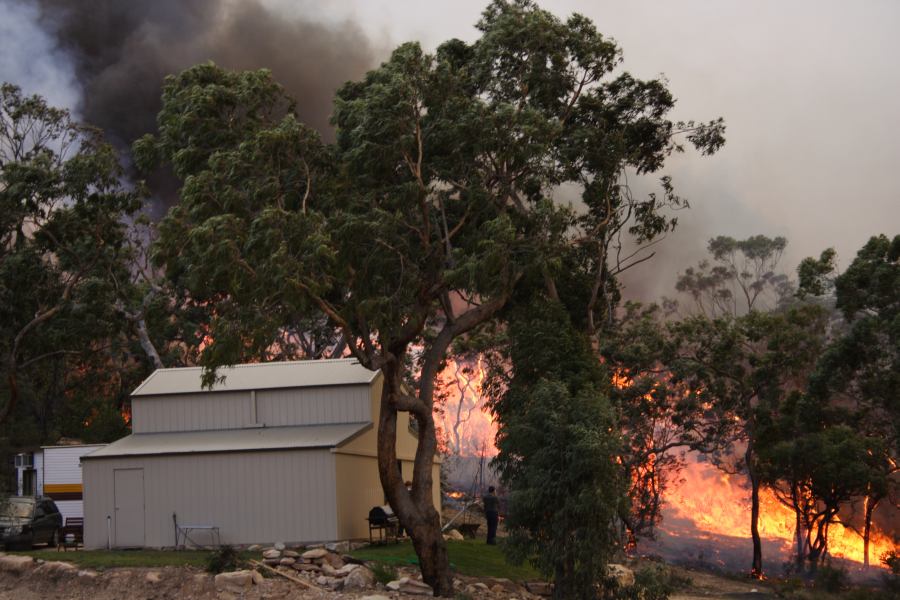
(29, 482)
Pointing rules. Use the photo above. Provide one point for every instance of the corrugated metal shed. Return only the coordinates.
(259, 376)
(236, 440)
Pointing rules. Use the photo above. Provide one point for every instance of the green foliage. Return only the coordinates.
(831, 579)
(655, 581)
(224, 558)
(865, 361)
(557, 452)
(384, 572)
(63, 253)
(436, 203)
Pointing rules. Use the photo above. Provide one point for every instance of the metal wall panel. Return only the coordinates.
(314, 406)
(191, 412)
(253, 497)
(234, 410)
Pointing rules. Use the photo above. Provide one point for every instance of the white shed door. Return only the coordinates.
(129, 504)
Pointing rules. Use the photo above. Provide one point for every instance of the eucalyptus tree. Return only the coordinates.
(413, 230)
(861, 365)
(559, 450)
(61, 240)
(741, 277)
(740, 370)
(818, 461)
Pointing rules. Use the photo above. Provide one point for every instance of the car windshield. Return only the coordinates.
(18, 509)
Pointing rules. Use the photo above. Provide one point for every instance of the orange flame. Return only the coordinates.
(714, 502)
(467, 426)
(719, 503)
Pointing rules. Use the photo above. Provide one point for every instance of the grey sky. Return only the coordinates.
(810, 92)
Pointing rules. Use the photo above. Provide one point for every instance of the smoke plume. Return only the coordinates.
(123, 50)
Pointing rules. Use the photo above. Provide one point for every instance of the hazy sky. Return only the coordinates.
(810, 92)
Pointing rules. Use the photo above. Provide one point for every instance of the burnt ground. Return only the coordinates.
(708, 586)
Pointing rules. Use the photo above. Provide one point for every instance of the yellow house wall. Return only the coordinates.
(356, 464)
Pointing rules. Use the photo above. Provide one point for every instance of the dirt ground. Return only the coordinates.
(187, 582)
(707, 586)
(36, 583)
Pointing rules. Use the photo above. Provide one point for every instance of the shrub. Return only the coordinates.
(651, 582)
(224, 558)
(892, 580)
(384, 573)
(831, 579)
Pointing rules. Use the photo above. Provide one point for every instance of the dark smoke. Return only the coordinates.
(122, 50)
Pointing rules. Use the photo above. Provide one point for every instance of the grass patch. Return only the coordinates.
(107, 559)
(468, 557)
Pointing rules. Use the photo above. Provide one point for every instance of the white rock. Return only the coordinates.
(272, 553)
(359, 578)
(235, 581)
(15, 564)
(315, 553)
(254, 548)
(623, 576)
(347, 569)
(338, 547)
(88, 574)
(335, 583)
(57, 568)
(279, 546)
(415, 587)
(152, 577)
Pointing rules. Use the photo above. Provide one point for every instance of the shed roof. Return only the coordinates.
(258, 376)
(231, 440)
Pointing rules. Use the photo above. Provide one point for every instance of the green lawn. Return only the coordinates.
(100, 559)
(468, 557)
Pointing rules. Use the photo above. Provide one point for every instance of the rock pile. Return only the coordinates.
(326, 565)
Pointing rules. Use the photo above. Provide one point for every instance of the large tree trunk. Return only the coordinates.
(801, 545)
(415, 509)
(756, 569)
(871, 503)
(10, 406)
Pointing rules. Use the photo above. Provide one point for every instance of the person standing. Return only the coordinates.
(492, 514)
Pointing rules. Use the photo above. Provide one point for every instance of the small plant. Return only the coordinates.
(892, 579)
(384, 573)
(831, 579)
(655, 581)
(224, 558)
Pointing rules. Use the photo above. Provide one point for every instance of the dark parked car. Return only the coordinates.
(26, 521)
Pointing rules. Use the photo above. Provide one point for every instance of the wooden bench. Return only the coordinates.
(71, 535)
